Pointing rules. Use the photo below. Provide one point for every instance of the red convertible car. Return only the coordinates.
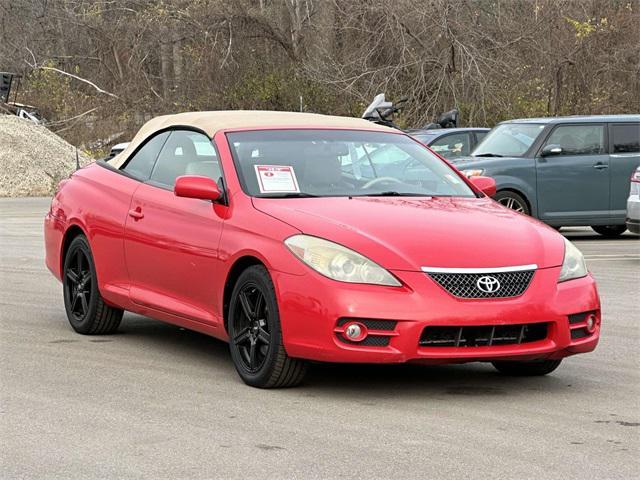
(300, 237)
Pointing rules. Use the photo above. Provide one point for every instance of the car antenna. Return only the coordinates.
(77, 160)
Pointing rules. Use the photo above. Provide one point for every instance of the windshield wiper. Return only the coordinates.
(393, 193)
(292, 195)
(488, 155)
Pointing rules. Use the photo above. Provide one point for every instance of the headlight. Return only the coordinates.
(338, 262)
(573, 265)
(474, 172)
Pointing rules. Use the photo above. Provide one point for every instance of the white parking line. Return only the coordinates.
(612, 257)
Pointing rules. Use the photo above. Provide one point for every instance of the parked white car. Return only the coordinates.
(633, 204)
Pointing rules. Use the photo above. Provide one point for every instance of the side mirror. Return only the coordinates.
(550, 150)
(486, 185)
(195, 186)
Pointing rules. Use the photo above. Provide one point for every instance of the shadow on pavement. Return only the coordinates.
(349, 380)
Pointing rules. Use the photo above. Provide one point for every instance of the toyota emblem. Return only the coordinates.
(488, 284)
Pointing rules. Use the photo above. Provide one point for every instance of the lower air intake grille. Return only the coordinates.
(484, 285)
(370, 323)
(483, 336)
(370, 341)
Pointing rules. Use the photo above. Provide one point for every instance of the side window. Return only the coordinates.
(625, 137)
(141, 164)
(480, 136)
(186, 153)
(578, 139)
(452, 146)
(375, 161)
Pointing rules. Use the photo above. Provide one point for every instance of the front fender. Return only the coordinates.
(506, 182)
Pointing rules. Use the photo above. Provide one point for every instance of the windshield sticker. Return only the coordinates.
(277, 179)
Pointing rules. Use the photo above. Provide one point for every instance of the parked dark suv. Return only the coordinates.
(563, 170)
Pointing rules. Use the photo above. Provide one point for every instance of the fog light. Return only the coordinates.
(591, 323)
(355, 332)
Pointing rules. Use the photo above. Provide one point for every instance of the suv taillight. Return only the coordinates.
(635, 177)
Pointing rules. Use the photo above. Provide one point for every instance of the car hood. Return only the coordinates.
(407, 233)
(462, 163)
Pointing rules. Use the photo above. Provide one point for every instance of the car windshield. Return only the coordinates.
(508, 140)
(424, 137)
(329, 163)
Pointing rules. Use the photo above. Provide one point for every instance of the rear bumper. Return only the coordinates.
(54, 229)
(311, 306)
(633, 213)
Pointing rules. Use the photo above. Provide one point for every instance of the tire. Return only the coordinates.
(609, 231)
(87, 312)
(527, 369)
(255, 336)
(513, 201)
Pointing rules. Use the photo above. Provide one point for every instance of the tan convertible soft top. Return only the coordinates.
(212, 122)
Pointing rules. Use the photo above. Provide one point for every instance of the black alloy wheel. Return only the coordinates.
(78, 283)
(255, 337)
(252, 337)
(532, 368)
(86, 310)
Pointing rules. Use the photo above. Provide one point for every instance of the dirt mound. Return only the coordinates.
(32, 158)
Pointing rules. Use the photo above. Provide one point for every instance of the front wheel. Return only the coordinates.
(255, 337)
(513, 201)
(86, 310)
(527, 369)
(609, 230)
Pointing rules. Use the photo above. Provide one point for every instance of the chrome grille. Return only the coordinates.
(465, 285)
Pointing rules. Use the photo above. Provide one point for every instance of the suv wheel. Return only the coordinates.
(513, 201)
(609, 230)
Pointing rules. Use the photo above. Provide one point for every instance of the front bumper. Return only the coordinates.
(311, 308)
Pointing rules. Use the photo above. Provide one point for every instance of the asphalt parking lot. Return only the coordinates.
(157, 401)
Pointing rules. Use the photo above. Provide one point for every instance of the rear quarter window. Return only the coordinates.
(141, 163)
(625, 138)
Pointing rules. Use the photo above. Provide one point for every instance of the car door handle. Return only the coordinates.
(600, 166)
(136, 214)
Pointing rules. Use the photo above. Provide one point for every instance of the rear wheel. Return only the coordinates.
(255, 337)
(513, 201)
(527, 369)
(609, 230)
(86, 310)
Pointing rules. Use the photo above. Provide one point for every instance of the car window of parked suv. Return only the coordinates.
(140, 165)
(508, 140)
(625, 137)
(452, 146)
(185, 153)
(578, 139)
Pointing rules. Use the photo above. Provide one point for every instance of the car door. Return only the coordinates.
(453, 145)
(623, 161)
(573, 182)
(171, 243)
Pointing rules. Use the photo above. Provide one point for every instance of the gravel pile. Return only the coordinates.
(32, 158)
